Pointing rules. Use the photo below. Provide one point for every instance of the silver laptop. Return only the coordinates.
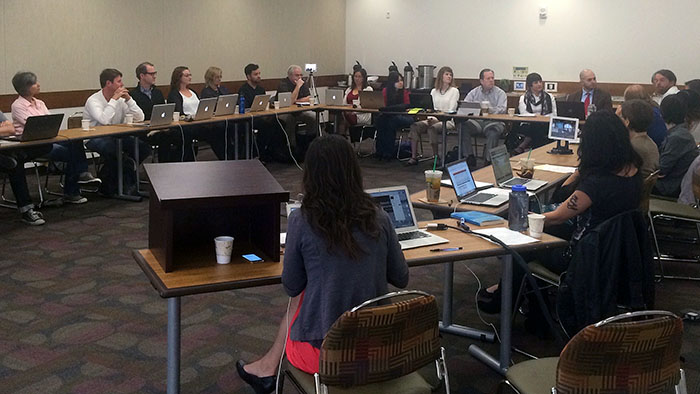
(395, 201)
(468, 108)
(161, 114)
(503, 172)
(259, 103)
(285, 99)
(466, 190)
(335, 96)
(226, 104)
(205, 109)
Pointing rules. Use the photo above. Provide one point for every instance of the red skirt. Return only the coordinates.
(301, 354)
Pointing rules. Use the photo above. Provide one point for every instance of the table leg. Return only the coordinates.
(459, 140)
(318, 122)
(173, 380)
(336, 120)
(248, 133)
(446, 323)
(235, 141)
(120, 176)
(444, 141)
(501, 365)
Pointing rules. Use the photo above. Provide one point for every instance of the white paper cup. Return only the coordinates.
(176, 116)
(224, 247)
(129, 119)
(511, 111)
(312, 100)
(356, 103)
(535, 223)
(85, 124)
(277, 105)
(485, 107)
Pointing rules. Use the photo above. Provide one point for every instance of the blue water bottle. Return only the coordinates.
(241, 105)
(518, 204)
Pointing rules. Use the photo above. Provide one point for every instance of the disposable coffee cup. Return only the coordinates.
(312, 100)
(432, 185)
(277, 105)
(527, 168)
(511, 111)
(535, 223)
(85, 124)
(356, 103)
(176, 116)
(485, 107)
(129, 119)
(224, 247)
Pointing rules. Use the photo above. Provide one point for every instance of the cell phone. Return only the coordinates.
(253, 258)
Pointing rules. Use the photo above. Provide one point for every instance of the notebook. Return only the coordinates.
(571, 109)
(285, 99)
(205, 110)
(335, 96)
(468, 108)
(226, 104)
(503, 172)
(39, 127)
(421, 100)
(466, 190)
(396, 203)
(371, 100)
(259, 103)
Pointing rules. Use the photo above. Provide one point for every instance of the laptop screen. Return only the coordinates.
(396, 204)
(500, 160)
(461, 177)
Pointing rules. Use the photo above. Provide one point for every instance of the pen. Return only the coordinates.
(446, 249)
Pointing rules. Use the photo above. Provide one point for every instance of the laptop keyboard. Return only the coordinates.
(411, 235)
(481, 197)
(516, 181)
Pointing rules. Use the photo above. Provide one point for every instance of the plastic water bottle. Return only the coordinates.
(591, 109)
(518, 204)
(241, 105)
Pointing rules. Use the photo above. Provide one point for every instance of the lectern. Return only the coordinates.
(191, 203)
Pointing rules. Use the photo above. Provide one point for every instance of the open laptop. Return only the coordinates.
(259, 103)
(335, 96)
(421, 100)
(226, 104)
(571, 109)
(396, 203)
(466, 189)
(468, 108)
(161, 114)
(205, 110)
(285, 99)
(40, 127)
(371, 99)
(503, 172)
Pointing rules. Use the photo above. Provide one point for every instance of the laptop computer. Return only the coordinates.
(205, 110)
(226, 104)
(395, 201)
(503, 172)
(371, 100)
(466, 190)
(421, 100)
(335, 96)
(161, 114)
(571, 109)
(39, 127)
(468, 108)
(259, 103)
(285, 99)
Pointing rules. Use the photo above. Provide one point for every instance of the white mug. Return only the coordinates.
(85, 123)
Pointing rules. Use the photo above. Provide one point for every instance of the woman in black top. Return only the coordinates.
(212, 78)
(394, 96)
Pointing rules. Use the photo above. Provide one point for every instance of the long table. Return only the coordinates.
(205, 276)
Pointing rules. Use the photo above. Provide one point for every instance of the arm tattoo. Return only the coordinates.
(572, 204)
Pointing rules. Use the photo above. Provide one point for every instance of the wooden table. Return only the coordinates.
(198, 279)
(541, 155)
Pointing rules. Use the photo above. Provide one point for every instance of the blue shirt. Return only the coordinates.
(583, 96)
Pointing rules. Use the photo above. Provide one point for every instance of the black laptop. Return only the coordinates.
(571, 109)
(421, 100)
(40, 127)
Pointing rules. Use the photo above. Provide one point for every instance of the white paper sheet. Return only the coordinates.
(553, 168)
(509, 237)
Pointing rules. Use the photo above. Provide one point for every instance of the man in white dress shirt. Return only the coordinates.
(498, 104)
(664, 85)
(108, 106)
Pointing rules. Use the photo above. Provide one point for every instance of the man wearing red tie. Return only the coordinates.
(590, 94)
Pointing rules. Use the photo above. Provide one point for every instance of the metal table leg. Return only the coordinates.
(501, 364)
(173, 379)
(120, 175)
(444, 141)
(235, 141)
(446, 323)
(248, 133)
(336, 119)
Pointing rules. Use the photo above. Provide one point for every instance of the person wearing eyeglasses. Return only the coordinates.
(146, 94)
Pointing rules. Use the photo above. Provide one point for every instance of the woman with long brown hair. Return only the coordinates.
(341, 250)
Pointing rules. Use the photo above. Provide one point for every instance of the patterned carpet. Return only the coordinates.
(77, 315)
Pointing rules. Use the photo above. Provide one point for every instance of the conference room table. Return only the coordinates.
(448, 200)
(121, 131)
(205, 276)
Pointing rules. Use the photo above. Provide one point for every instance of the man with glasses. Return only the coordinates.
(146, 94)
(300, 94)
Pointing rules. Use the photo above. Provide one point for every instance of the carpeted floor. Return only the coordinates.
(77, 315)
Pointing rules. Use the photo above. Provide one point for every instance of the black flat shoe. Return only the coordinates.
(264, 385)
(489, 302)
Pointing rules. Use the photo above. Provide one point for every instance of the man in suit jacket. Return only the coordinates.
(589, 91)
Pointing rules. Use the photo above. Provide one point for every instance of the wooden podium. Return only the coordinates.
(192, 203)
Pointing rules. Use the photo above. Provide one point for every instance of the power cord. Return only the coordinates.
(478, 311)
(182, 134)
(284, 348)
(289, 146)
(226, 139)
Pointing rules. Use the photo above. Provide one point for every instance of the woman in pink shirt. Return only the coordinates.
(70, 152)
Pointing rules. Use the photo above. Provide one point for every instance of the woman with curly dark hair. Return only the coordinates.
(341, 250)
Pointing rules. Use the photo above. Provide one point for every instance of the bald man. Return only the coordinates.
(590, 94)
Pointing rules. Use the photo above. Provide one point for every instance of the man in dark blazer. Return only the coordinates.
(589, 91)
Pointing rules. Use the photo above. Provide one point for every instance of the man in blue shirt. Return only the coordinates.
(590, 94)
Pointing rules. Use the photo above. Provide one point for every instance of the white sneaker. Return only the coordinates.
(33, 218)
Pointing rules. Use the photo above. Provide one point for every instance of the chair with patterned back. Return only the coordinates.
(636, 352)
(379, 349)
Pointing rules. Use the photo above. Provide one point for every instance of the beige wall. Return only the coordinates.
(67, 43)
